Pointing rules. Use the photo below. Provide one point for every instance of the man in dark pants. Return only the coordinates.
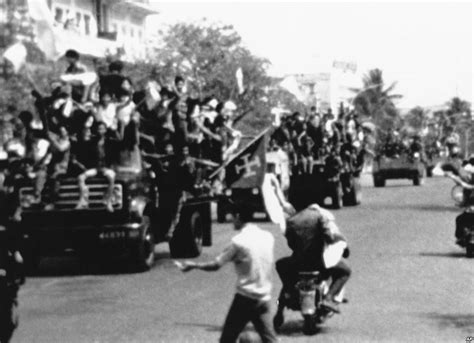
(308, 233)
(252, 253)
(11, 277)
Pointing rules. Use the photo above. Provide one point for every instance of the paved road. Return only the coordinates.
(410, 284)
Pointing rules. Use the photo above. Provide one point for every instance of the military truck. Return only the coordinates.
(130, 231)
(400, 166)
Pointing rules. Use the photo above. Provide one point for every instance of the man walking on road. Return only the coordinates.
(252, 253)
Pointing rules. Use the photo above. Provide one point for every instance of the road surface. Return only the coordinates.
(410, 283)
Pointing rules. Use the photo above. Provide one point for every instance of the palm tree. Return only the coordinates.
(376, 102)
(416, 118)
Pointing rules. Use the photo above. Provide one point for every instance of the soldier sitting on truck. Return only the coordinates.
(60, 146)
(93, 157)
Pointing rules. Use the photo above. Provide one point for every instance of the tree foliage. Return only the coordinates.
(375, 101)
(208, 56)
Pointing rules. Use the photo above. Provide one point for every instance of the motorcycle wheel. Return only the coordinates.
(309, 324)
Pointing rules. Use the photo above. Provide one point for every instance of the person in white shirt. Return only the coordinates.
(106, 112)
(252, 253)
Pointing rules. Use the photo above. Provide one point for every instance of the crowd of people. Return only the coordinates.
(311, 138)
(94, 121)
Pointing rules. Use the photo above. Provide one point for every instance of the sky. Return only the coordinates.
(427, 47)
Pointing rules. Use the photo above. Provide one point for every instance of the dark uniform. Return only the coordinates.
(11, 277)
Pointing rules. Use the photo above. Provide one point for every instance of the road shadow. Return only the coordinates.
(437, 208)
(294, 328)
(72, 265)
(443, 254)
(456, 320)
(208, 327)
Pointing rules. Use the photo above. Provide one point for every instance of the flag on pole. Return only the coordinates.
(247, 168)
(44, 28)
(16, 54)
(239, 76)
(291, 85)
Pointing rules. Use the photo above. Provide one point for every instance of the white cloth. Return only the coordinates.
(332, 253)
(252, 253)
(108, 115)
(272, 204)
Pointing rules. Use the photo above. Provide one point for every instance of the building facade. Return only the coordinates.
(93, 27)
(100, 27)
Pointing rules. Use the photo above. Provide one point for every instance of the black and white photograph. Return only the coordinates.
(236, 171)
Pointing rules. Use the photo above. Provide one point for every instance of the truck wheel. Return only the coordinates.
(352, 198)
(379, 181)
(144, 255)
(188, 237)
(429, 171)
(337, 197)
(221, 212)
(470, 250)
(31, 257)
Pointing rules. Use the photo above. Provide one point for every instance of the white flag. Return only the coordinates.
(44, 28)
(16, 54)
(85, 79)
(291, 85)
(239, 76)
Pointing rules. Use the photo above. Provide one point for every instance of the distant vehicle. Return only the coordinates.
(131, 231)
(402, 166)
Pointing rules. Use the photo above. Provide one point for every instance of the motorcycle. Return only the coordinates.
(306, 297)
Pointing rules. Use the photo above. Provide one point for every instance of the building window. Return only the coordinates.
(87, 24)
(78, 19)
(132, 32)
(58, 15)
(124, 30)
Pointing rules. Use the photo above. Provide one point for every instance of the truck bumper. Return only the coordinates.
(51, 241)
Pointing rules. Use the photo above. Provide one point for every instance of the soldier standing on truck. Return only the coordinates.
(11, 277)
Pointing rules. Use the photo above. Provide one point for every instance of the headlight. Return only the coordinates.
(416, 155)
(136, 207)
(255, 191)
(228, 192)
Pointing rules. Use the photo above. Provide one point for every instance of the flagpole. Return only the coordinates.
(217, 171)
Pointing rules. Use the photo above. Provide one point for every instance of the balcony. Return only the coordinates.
(97, 46)
(140, 7)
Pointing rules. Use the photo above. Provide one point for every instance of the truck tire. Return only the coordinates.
(379, 181)
(221, 212)
(188, 237)
(352, 198)
(470, 250)
(418, 179)
(143, 255)
(337, 196)
(429, 171)
(31, 257)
